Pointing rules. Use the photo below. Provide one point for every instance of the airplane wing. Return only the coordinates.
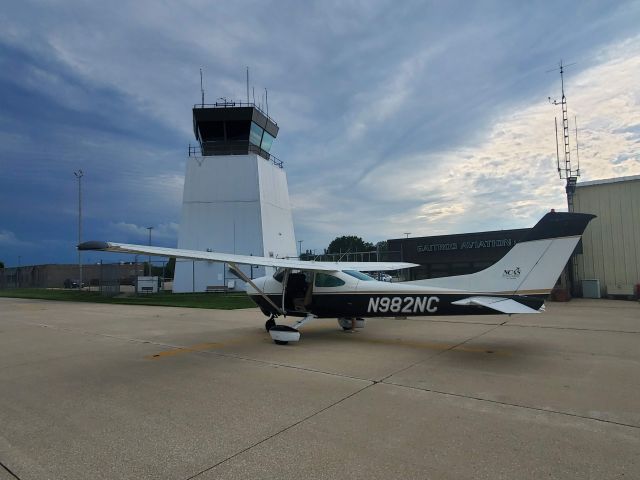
(244, 259)
(504, 305)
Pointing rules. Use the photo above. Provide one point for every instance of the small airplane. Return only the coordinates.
(517, 283)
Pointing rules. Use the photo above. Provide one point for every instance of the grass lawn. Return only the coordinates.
(221, 301)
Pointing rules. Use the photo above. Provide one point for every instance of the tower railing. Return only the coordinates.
(238, 147)
(233, 104)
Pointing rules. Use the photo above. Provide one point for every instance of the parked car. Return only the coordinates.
(70, 283)
(381, 276)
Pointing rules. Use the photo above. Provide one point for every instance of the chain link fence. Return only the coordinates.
(107, 278)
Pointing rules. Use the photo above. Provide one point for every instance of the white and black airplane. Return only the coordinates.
(517, 283)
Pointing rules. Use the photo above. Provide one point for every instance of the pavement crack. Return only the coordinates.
(553, 327)
(515, 405)
(453, 347)
(8, 470)
(195, 352)
(293, 425)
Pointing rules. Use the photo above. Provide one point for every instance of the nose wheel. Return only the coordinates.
(283, 334)
(269, 324)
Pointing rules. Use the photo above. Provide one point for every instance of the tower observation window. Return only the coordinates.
(237, 130)
(267, 141)
(211, 131)
(255, 134)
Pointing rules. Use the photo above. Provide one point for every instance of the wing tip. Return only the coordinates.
(93, 245)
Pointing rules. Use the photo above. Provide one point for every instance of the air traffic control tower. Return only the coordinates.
(235, 198)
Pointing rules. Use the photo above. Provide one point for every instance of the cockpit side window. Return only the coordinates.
(326, 280)
(359, 275)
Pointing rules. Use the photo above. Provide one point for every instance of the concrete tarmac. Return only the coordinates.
(132, 392)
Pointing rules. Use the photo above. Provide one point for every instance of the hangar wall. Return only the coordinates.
(457, 254)
(611, 243)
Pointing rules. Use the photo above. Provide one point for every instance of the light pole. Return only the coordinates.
(149, 261)
(79, 174)
(300, 248)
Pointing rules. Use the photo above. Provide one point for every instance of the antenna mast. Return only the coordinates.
(247, 85)
(565, 169)
(201, 87)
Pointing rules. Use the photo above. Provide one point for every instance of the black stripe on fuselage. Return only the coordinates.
(336, 305)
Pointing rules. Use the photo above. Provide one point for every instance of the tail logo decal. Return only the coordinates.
(512, 273)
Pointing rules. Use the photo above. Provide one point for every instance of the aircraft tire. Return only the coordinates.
(269, 324)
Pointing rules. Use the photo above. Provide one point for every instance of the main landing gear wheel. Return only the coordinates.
(345, 323)
(269, 324)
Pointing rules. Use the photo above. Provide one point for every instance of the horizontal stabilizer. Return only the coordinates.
(244, 259)
(504, 305)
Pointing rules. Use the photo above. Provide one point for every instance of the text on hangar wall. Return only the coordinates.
(437, 247)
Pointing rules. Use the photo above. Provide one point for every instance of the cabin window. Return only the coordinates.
(326, 280)
(359, 275)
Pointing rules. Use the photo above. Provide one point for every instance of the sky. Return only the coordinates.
(413, 116)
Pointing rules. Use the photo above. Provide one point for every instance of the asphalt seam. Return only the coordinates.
(516, 405)
(293, 425)
(9, 471)
(423, 320)
(453, 347)
(201, 352)
(552, 327)
(507, 324)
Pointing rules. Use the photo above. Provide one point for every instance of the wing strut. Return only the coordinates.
(285, 280)
(244, 277)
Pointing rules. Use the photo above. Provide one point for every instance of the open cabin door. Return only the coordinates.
(297, 291)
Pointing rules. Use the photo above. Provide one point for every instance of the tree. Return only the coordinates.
(349, 243)
(1, 264)
(382, 246)
(171, 268)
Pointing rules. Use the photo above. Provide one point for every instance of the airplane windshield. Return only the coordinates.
(279, 275)
(359, 275)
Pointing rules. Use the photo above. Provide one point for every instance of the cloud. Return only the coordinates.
(159, 233)
(394, 116)
(9, 239)
(507, 178)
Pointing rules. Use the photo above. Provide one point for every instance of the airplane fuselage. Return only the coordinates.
(348, 294)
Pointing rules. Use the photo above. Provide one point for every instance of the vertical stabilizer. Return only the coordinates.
(532, 266)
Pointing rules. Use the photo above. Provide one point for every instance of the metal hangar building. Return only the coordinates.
(610, 260)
